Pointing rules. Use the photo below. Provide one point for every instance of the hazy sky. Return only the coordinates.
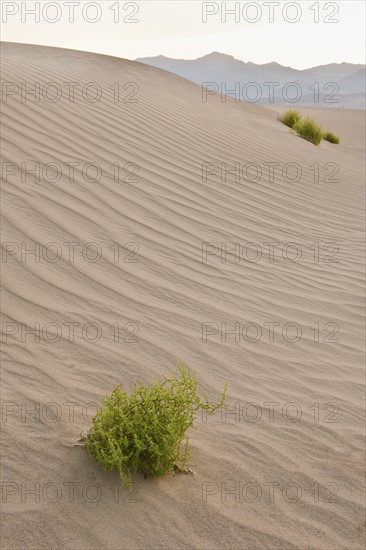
(261, 31)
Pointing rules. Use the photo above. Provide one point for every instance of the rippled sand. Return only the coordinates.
(285, 471)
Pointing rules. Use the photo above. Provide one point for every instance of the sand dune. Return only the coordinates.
(303, 456)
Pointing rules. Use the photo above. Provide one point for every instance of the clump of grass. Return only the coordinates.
(308, 129)
(289, 118)
(332, 138)
(145, 431)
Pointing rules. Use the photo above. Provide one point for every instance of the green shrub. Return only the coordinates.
(332, 138)
(290, 118)
(144, 431)
(308, 129)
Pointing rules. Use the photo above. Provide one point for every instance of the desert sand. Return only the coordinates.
(285, 472)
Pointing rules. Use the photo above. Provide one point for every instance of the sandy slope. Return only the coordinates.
(168, 293)
(349, 123)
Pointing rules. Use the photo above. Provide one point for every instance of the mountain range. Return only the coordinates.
(334, 85)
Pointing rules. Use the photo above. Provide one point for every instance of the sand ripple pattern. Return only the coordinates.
(160, 292)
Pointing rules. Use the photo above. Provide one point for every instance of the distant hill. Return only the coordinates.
(354, 82)
(321, 85)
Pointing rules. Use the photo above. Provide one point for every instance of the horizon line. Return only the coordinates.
(181, 58)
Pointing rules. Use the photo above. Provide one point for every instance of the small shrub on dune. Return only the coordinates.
(145, 431)
(289, 118)
(332, 138)
(308, 129)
